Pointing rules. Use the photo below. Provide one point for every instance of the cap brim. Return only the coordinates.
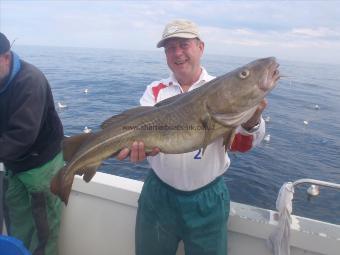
(176, 35)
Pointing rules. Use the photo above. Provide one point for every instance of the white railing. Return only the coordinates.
(279, 239)
(313, 190)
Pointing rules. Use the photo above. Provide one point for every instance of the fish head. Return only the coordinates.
(234, 97)
(245, 87)
(263, 74)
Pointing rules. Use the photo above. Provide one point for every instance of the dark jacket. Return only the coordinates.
(30, 129)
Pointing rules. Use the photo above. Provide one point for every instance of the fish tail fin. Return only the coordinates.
(59, 187)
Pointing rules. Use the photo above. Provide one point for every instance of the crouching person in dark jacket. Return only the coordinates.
(30, 137)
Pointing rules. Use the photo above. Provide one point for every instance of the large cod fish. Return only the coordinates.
(179, 124)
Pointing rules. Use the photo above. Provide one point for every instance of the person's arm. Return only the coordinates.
(251, 132)
(26, 112)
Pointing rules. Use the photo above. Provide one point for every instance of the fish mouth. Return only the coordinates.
(276, 73)
(272, 75)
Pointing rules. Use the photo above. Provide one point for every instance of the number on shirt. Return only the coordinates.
(198, 154)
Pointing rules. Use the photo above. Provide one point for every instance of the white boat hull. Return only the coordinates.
(100, 219)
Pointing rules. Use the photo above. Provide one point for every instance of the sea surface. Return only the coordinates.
(303, 118)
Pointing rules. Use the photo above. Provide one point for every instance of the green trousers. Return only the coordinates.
(32, 212)
(166, 215)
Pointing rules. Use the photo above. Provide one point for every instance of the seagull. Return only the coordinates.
(267, 119)
(316, 107)
(305, 122)
(61, 106)
(267, 138)
(87, 130)
(86, 91)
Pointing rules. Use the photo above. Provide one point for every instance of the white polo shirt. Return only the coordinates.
(191, 171)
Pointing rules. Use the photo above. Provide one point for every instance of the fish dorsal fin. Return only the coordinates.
(71, 144)
(170, 100)
(125, 115)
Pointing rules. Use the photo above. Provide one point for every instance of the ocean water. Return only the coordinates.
(304, 125)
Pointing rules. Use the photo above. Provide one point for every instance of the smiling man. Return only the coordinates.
(183, 58)
(185, 197)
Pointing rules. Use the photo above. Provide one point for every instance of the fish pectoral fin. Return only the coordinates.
(219, 118)
(233, 119)
(70, 145)
(208, 125)
(125, 115)
(228, 138)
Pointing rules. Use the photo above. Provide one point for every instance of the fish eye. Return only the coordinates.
(244, 74)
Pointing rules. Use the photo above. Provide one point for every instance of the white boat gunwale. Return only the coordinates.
(248, 226)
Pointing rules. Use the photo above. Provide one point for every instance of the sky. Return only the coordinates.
(293, 30)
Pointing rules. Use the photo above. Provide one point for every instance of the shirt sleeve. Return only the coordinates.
(244, 140)
(148, 98)
(26, 113)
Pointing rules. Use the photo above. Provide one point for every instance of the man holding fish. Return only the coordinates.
(186, 124)
(184, 196)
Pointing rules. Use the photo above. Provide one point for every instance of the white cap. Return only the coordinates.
(180, 29)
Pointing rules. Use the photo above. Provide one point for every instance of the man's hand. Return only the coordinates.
(255, 119)
(137, 152)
